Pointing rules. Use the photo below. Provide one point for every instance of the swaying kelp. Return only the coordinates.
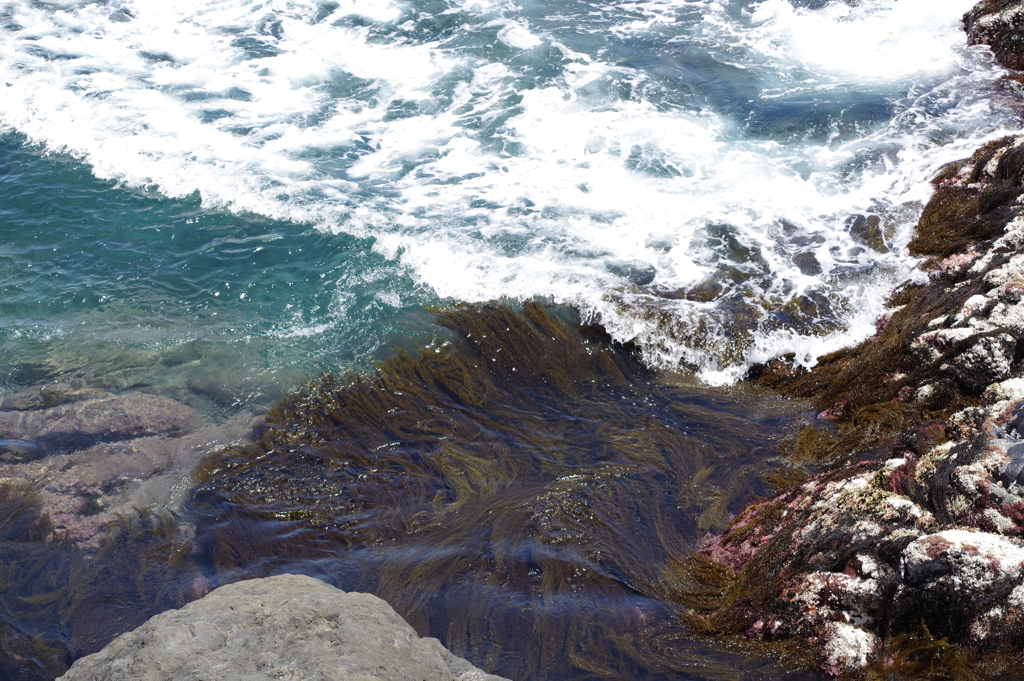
(59, 601)
(524, 494)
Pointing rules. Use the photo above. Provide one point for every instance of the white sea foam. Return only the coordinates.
(491, 151)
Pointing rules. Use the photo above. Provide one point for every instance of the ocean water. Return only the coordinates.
(284, 185)
(216, 199)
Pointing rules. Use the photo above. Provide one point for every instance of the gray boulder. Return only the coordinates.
(285, 627)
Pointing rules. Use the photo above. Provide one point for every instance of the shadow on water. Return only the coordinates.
(528, 495)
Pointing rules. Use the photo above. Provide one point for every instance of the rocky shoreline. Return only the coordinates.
(904, 554)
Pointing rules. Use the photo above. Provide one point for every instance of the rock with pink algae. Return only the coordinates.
(925, 536)
(847, 648)
(1000, 25)
(881, 548)
(982, 567)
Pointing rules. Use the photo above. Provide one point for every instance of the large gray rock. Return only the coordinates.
(286, 627)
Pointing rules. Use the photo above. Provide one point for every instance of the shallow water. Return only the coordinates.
(522, 488)
(123, 289)
(527, 495)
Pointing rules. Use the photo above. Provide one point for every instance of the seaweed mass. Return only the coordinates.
(527, 491)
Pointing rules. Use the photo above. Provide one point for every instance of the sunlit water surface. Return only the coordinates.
(720, 182)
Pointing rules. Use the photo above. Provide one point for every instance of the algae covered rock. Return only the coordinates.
(904, 552)
(284, 627)
(984, 566)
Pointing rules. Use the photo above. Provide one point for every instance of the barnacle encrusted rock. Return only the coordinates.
(879, 549)
(916, 526)
(1000, 25)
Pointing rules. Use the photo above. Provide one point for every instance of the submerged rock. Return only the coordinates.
(75, 424)
(284, 627)
(19, 450)
(82, 491)
(50, 395)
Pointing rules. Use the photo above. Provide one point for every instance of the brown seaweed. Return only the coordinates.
(59, 601)
(963, 214)
(524, 495)
(867, 415)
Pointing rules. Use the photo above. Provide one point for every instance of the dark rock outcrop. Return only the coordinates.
(916, 527)
(904, 554)
(284, 627)
(1000, 25)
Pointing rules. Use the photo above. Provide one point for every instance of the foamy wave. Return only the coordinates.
(688, 174)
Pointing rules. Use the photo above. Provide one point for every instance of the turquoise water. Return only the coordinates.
(126, 289)
(693, 175)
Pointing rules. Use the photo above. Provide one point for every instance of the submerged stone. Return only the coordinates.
(78, 424)
(19, 450)
(807, 263)
(867, 229)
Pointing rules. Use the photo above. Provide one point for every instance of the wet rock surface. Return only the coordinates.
(923, 545)
(903, 555)
(284, 627)
(1000, 25)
